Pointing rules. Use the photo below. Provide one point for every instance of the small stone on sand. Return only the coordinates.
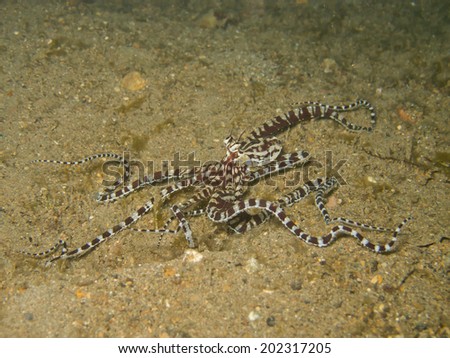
(133, 81)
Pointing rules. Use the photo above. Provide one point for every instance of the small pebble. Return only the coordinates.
(192, 256)
(169, 271)
(252, 265)
(329, 65)
(133, 81)
(270, 321)
(377, 279)
(28, 316)
(210, 20)
(253, 316)
(296, 285)
(333, 202)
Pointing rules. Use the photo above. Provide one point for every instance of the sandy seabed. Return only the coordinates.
(205, 69)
